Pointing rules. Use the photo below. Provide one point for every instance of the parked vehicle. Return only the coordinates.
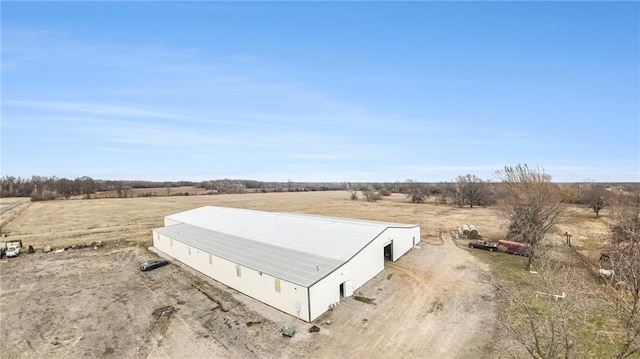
(518, 248)
(153, 264)
(13, 251)
(482, 244)
(4, 245)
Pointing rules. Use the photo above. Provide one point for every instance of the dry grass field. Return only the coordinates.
(154, 192)
(432, 303)
(66, 222)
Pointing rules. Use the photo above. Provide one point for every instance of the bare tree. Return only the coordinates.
(353, 191)
(530, 202)
(119, 189)
(415, 191)
(443, 191)
(384, 191)
(546, 322)
(370, 194)
(86, 185)
(471, 190)
(623, 256)
(596, 197)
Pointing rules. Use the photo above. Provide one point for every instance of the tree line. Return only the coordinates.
(42, 188)
(244, 186)
(465, 190)
(470, 190)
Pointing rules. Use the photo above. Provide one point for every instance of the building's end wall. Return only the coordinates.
(361, 268)
(170, 222)
(403, 240)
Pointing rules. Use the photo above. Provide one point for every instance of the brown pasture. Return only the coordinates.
(64, 222)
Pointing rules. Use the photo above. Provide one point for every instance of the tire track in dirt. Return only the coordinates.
(153, 336)
(195, 326)
(9, 207)
(74, 233)
(430, 306)
(7, 215)
(454, 328)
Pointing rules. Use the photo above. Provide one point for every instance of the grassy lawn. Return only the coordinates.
(590, 326)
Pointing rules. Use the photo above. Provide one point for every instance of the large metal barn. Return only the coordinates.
(298, 263)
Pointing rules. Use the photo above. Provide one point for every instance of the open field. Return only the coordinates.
(153, 192)
(432, 303)
(65, 222)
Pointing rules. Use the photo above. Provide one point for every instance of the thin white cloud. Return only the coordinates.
(122, 150)
(427, 167)
(160, 136)
(317, 156)
(22, 47)
(92, 109)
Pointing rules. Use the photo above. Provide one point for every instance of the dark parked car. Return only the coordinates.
(482, 244)
(153, 264)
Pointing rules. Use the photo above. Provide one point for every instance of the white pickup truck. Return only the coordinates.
(13, 251)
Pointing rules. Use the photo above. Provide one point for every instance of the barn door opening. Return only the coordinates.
(346, 289)
(388, 251)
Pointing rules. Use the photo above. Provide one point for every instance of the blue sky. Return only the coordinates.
(320, 91)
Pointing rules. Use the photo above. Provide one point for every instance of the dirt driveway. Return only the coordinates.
(432, 303)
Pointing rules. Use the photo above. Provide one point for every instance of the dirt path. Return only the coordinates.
(434, 305)
(8, 207)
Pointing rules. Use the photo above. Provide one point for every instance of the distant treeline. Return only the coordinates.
(41, 188)
(243, 186)
(468, 190)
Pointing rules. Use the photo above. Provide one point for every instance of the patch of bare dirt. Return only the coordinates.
(434, 306)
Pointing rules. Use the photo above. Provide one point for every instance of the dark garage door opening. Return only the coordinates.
(388, 252)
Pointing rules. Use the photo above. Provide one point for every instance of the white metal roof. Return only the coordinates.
(293, 266)
(331, 237)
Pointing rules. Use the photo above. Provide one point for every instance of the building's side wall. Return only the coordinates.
(361, 268)
(255, 284)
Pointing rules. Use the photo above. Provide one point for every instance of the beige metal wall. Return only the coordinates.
(248, 281)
